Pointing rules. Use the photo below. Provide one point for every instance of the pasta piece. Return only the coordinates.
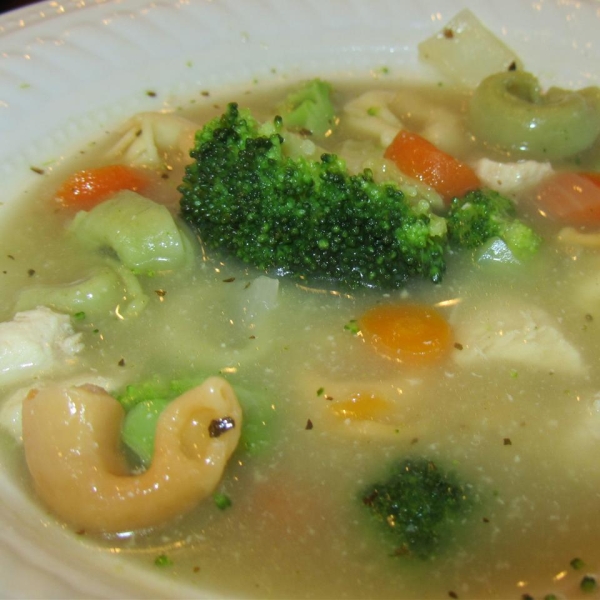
(11, 411)
(509, 113)
(97, 294)
(71, 439)
(142, 233)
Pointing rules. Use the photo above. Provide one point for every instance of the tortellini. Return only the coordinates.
(71, 437)
(510, 114)
(142, 233)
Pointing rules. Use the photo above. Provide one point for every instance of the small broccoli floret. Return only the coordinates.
(484, 214)
(416, 505)
(309, 109)
(309, 218)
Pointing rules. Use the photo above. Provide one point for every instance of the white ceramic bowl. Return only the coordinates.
(69, 68)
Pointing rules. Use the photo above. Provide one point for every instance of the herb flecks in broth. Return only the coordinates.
(501, 423)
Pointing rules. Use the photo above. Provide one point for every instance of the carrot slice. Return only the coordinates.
(411, 333)
(571, 198)
(360, 407)
(87, 188)
(417, 157)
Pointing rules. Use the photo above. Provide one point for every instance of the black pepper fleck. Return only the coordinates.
(121, 363)
(218, 427)
(309, 425)
(507, 442)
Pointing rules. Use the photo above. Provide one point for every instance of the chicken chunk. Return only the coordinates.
(518, 336)
(511, 177)
(35, 342)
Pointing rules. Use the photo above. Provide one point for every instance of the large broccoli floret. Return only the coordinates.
(484, 214)
(303, 217)
(417, 505)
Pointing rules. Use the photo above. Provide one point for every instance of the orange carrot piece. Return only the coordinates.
(412, 333)
(417, 157)
(87, 188)
(571, 198)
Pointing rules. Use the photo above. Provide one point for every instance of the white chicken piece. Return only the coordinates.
(515, 335)
(369, 114)
(35, 342)
(511, 177)
(148, 139)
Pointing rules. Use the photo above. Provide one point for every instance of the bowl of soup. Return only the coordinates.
(182, 417)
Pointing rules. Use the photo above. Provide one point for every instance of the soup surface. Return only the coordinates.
(513, 408)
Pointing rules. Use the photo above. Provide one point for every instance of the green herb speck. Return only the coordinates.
(352, 327)
(577, 563)
(222, 501)
(162, 560)
(588, 584)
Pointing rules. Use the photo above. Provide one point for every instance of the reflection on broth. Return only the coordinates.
(501, 398)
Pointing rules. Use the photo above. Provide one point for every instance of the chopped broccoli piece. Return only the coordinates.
(416, 504)
(309, 109)
(222, 501)
(259, 420)
(145, 401)
(152, 389)
(484, 214)
(139, 427)
(303, 217)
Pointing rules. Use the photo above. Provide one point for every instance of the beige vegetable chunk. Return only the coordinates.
(153, 139)
(72, 448)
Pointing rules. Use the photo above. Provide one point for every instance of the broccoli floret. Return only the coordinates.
(416, 505)
(309, 109)
(484, 214)
(303, 217)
